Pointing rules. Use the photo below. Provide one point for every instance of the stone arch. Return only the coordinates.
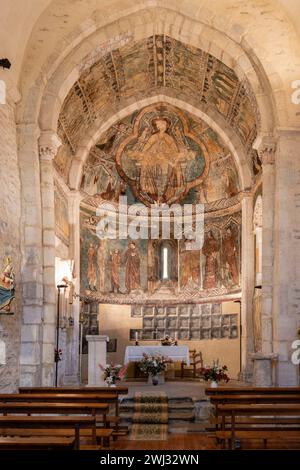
(214, 120)
(49, 98)
(43, 100)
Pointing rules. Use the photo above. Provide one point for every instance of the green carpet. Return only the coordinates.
(150, 418)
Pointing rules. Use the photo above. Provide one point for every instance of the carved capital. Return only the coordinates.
(267, 150)
(247, 193)
(49, 144)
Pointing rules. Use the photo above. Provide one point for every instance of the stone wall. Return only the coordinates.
(10, 211)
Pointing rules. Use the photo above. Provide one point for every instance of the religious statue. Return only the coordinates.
(230, 255)
(114, 264)
(91, 270)
(210, 250)
(132, 273)
(7, 286)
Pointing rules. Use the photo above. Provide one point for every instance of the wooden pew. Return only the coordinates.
(15, 425)
(222, 399)
(59, 397)
(259, 421)
(81, 408)
(36, 443)
(241, 399)
(117, 391)
(226, 390)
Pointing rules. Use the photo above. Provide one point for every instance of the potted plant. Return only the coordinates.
(153, 365)
(112, 373)
(214, 374)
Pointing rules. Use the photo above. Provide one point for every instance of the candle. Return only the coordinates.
(136, 335)
(176, 335)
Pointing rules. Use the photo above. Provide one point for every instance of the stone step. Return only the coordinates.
(176, 406)
(173, 416)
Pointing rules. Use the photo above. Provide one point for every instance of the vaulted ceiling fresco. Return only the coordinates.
(147, 67)
(160, 155)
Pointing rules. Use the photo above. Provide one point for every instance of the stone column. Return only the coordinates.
(32, 271)
(265, 359)
(267, 155)
(286, 274)
(48, 146)
(247, 284)
(97, 355)
(263, 369)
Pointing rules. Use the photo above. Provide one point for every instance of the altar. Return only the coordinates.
(175, 353)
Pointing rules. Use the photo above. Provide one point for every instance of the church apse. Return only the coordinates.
(161, 155)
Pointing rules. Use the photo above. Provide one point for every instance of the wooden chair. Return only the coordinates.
(196, 362)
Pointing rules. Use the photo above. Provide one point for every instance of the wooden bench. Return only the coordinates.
(117, 391)
(258, 421)
(81, 408)
(36, 443)
(252, 399)
(15, 425)
(241, 399)
(227, 390)
(103, 435)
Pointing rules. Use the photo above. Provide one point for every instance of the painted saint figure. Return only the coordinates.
(230, 255)
(210, 250)
(91, 270)
(132, 273)
(114, 264)
(7, 286)
(160, 162)
(101, 266)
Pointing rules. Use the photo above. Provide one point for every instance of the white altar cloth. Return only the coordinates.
(176, 353)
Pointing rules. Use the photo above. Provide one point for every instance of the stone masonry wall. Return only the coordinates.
(10, 212)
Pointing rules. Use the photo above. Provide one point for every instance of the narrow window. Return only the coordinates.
(165, 270)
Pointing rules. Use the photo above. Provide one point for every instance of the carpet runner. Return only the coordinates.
(150, 418)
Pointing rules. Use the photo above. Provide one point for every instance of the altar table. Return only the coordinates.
(176, 353)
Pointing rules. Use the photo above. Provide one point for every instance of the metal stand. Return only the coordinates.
(57, 358)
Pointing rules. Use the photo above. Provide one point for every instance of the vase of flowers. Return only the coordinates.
(214, 374)
(153, 366)
(112, 373)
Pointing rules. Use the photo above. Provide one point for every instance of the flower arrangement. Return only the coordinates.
(214, 373)
(112, 373)
(152, 365)
(168, 341)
